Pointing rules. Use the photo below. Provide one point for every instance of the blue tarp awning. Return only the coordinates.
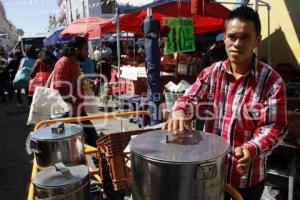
(54, 37)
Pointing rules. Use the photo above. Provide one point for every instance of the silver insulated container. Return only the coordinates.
(59, 142)
(187, 167)
(62, 183)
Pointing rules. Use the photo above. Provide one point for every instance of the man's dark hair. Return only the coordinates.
(17, 54)
(31, 52)
(47, 56)
(245, 13)
(76, 43)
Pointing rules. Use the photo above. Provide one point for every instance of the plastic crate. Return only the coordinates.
(112, 159)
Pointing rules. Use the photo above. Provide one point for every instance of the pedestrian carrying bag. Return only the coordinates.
(46, 102)
(22, 77)
(39, 79)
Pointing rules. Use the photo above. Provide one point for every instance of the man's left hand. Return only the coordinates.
(244, 159)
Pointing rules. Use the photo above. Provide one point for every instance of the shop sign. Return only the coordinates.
(181, 35)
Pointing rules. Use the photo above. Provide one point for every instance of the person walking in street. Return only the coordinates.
(13, 65)
(67, 81)
(88, 67)
(41, 70)
(106, 50)
(245, 103)
(45, 62)
(5, 85)
(97, 54)
(28, 61)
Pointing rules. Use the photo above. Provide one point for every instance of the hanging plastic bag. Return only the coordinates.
(46, 102)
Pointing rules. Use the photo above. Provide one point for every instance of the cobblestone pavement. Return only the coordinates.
(15, 163)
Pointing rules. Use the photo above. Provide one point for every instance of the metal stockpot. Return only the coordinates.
(61, 182)
(58, 143)
(192, 166)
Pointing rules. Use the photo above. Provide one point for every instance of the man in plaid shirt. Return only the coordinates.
(244, 102)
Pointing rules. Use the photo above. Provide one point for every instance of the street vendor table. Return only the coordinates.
(135, 79)
(89, 151)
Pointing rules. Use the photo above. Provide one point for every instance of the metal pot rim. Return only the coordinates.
(78, 184)
(65, 191)
(57, 139)
(179, 163)
(51, 178)
(49, 133)
(153, 146)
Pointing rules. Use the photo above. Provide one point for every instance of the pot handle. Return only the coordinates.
(34, 146)
(60, 167)
(31, 144)
(28, 144)
(58, 128)
(206, 171)
(187, 138)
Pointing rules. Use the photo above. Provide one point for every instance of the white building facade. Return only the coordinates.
(8, 32)
(71, 10)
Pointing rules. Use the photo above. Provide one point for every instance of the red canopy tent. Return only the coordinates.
(131, 22)
(84, 25)
(208, 8)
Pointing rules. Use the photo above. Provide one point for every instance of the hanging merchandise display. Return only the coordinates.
(151, 29)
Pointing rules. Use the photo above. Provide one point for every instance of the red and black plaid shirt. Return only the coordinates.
(249, 111)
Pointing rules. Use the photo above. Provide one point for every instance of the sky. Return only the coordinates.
(30, 15)
(33, 15)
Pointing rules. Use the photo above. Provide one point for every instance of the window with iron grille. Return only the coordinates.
(107, 6)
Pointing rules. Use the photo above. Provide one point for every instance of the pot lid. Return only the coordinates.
(56, 131)
(60, 175)
(193, 147)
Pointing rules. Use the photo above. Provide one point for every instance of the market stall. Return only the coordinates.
(113, 165)
(55, 179)
(212, 21)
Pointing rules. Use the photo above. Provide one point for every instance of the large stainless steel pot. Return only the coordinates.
(61, 182)
(190, 167)
(58, 143)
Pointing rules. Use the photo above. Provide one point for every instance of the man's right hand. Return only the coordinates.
(177, 123)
